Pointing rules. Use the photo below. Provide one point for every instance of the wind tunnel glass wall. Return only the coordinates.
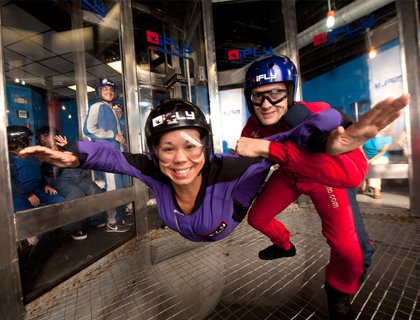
(40, 59)
(337, 66)
(170, 57)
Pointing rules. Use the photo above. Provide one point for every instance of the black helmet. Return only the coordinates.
(46, 130)
(173, 114)
(19, 136)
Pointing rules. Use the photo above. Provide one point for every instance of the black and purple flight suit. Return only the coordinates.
(229, 182)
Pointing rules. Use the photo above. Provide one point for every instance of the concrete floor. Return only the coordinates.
(167, 277)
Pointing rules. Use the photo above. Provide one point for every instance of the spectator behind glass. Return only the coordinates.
(70, 183)
(376, 150)
(29, 188)
(119, 112)
(102, 125)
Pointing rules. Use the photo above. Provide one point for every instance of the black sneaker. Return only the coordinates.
(79, 235)
(339, 304)
(275, 252)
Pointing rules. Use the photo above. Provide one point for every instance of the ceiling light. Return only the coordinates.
(330, 16)
(372, 53)
(116, 65)
(330, 19)
(74, 87)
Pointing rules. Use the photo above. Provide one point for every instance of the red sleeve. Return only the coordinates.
(315, 106)
(343, 171)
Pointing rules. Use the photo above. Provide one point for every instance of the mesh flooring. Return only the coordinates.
(176, 279)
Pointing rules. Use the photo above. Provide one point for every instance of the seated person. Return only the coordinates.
(376, 150)
(28, 186)
(70, 183)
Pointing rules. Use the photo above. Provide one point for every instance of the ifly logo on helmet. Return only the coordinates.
(172, 118)
(271, 76)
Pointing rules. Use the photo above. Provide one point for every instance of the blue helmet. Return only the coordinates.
(271, 69)
(102, 83)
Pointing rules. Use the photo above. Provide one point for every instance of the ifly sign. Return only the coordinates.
(248, 54)
(167, 45)
(345, 31)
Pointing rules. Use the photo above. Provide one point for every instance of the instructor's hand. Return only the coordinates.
(249, 147)
(382, 114)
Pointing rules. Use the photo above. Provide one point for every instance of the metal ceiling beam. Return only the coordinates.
(347, 14)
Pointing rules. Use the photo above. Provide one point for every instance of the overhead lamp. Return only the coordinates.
(372, 53)
(116, 65)
(74, 87)
(330, 16)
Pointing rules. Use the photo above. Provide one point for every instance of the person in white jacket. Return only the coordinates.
(102, 124)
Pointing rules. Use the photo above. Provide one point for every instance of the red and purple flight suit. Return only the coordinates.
(340, 215)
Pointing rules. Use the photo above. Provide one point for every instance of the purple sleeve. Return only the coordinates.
(102, 156)
(323, 121)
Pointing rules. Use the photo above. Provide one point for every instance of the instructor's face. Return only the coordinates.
(269, 113)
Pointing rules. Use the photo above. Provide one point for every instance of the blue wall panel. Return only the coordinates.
(342, 86)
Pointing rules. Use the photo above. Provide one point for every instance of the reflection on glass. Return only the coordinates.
(41, 88)
(336, 68)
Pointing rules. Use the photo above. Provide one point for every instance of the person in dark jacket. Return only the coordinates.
(29, 188)
(70, 183)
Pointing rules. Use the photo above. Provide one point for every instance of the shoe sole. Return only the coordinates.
(116, 230)
(79, 238)
(275, 258)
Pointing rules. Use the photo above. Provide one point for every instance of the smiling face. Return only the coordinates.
(181, 156)
(269, 113)
(107, 93)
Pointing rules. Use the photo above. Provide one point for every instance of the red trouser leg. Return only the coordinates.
(277, 195)
(342, 225)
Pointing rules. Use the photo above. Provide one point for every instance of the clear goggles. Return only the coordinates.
(273, 96)
(191, 149)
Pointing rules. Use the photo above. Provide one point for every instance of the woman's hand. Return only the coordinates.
(55, 157)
